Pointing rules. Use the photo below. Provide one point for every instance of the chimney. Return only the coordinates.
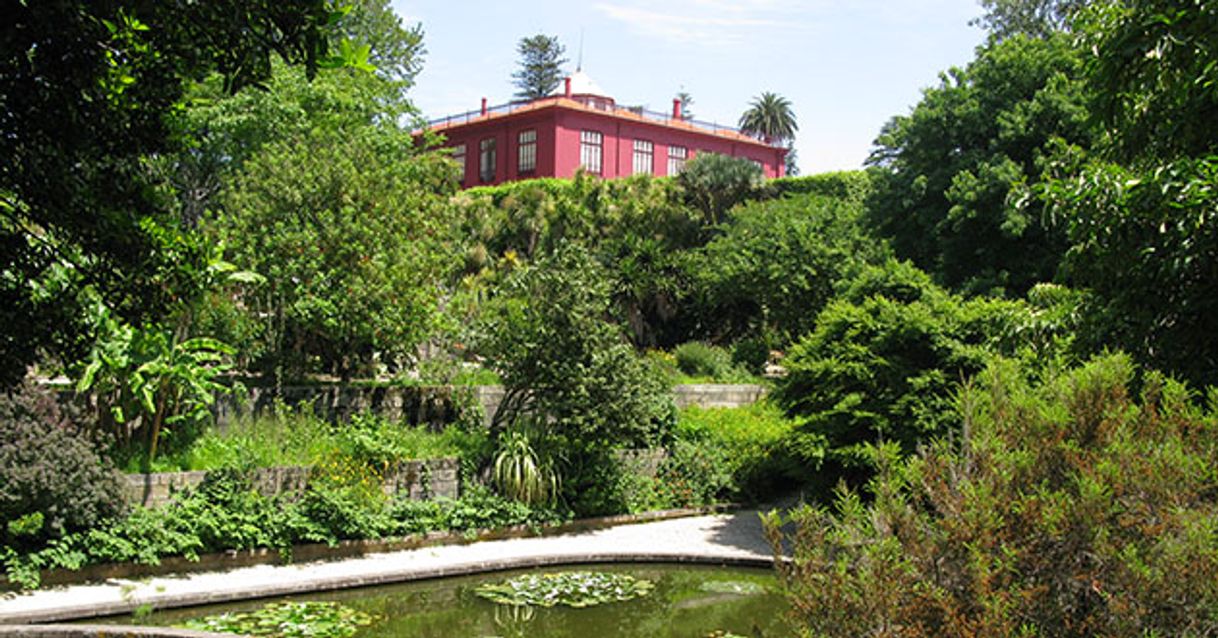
(567, 83)
(484, 107)
(676, 108)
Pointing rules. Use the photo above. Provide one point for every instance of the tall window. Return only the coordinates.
(526, 151)
(591, 147)
(676, 159)
(486, 165)
(643, 157)
(459, 157)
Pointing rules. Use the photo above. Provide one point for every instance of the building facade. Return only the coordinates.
(580, 127)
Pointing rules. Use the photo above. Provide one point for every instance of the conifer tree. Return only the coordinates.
(541, 60)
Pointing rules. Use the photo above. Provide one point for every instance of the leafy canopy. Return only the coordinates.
(86, 87)
(946, 175)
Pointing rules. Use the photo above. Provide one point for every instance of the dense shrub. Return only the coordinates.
(848, 186)
(52, 481)
(775, 265)
(755, 443)
(698, 359)
(1067, 508)
(881, 369)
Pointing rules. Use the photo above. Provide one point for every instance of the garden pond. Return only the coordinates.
(690, 601)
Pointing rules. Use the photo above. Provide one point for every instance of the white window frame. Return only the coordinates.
(592, 151)
(526, 151)
(677, 155)
(644, 158)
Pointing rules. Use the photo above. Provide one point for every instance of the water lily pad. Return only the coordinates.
(573, 589)
(288, 620)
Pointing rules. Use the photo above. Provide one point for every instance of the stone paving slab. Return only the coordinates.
(734, 538)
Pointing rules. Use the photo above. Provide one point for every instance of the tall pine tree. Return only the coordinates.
(541, 60)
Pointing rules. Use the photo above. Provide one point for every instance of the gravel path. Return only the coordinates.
(732, 538)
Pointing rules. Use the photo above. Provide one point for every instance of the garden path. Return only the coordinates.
(730, 538)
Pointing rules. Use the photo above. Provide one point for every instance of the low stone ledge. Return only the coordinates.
(100, 631)
(314, 552)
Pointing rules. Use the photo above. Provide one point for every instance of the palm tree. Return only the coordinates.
(770, 117)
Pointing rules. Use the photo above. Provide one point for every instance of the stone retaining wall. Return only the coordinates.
(439, 405)
(718, 395)
(422, 479)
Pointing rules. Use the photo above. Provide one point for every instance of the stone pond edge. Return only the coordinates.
(351, 549)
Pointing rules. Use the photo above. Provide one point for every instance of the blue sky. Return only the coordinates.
(847, 66)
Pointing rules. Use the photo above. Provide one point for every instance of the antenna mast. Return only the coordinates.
(579, 60)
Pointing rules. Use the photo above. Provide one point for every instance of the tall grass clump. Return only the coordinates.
(1073, 506)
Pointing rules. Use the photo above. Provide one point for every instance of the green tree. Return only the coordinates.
(85, 87)
(775, 265)
(947, 175)
(395, 50)
(770, 117)
(346, 226)
(686, 101)
(571, 372)
(1034, 18)
(1140, 211)
(882, 364)
(540, 69)
(714, 183)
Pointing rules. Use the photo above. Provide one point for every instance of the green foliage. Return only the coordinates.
(712, 184)
(697, 359)
(305, 619)
(754, 444)
(86, 89)
(850, 187)
(343, 500)
(540, 70)
(52, 482)
(570, 371)
(343, 225)
(947, 175)
(147, 384)
(518, 473)
(1069, 507)
(879, 369)
(775, 264)
(1032, 18)
(1143, 243)
(770, 117)
(1140, 212)
(573, 589)
(563, 364)
(1154, 77)
(297, 437)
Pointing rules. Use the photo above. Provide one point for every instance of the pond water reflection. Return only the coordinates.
(689, 601)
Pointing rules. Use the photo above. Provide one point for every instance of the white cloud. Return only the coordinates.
(703, 22)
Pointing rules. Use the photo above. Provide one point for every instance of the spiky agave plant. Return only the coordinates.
(519, 473)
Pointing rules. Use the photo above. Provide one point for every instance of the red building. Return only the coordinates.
(579, 126)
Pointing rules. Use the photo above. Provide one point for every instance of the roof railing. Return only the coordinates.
(647, 114)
